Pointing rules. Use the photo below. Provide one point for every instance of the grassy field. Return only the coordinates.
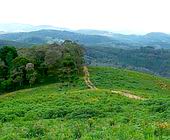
(63, 111)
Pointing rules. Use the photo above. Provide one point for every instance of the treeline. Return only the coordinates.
(146, 59)
(28, 66)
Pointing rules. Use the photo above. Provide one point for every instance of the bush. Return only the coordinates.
(7, 117)
(6, 85)
(77, 131)
(37, 130)
(55, 113)
(85, 112)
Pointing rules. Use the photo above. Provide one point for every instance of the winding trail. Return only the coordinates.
(122, 93)
(127, 94)
(87, 78)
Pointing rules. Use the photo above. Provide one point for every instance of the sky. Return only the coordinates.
(130, 16)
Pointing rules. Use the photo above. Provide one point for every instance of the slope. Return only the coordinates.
(92, 86)
(72, 111)
(14, 43)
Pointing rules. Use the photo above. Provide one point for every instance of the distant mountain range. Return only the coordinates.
(29, 34)
(50, 36)
(155, 39)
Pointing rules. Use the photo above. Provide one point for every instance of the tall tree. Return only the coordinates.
(18, 72)
(7, 54)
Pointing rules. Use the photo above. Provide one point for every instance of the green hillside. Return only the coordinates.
(62, 111)
(146, 59)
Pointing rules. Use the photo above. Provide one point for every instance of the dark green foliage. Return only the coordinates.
(18, 72)
(2, 70)
(55, 113)
(6, 85)
(145, 59)
(86, 112)
(7, 54)
(30, 65)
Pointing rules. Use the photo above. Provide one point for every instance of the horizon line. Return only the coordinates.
(123, 32)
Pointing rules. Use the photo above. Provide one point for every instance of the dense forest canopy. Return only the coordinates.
(146, 59)
(28, 66)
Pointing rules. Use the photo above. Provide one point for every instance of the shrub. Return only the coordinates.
(55, 113)
(7, 118)
(85, 112)
(76, 131)
(37, 130)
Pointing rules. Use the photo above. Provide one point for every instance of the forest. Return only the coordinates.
(25, 67)
(146, 59)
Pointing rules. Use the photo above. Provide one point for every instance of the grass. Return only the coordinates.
(71, 111)
(121, 79)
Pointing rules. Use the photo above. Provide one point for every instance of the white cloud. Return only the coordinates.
(115, 15)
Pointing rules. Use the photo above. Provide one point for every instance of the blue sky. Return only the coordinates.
(133, 16)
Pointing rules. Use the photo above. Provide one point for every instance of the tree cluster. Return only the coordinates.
(147, 59)
(28, 66)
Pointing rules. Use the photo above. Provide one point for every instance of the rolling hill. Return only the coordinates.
(91, 38)
(146, 59)
(72, 111)
(155, 39)
(13, 43)
(56, 36)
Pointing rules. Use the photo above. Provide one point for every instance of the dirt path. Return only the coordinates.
(92, 86)
(87, 78)
(129, 95)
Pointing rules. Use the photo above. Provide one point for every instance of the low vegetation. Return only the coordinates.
(72, 111)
